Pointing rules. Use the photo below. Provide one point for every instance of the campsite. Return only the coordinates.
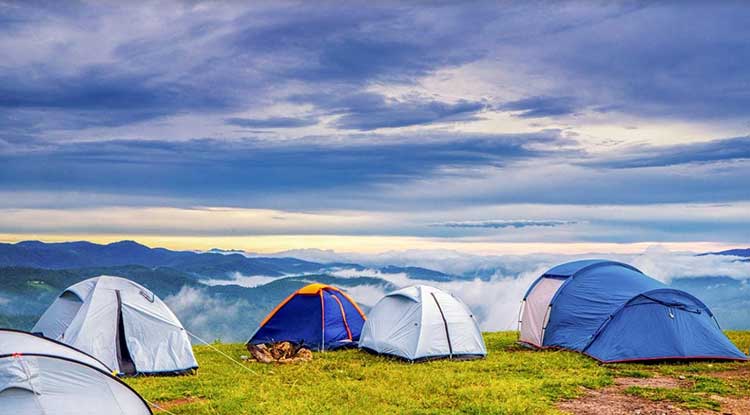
(590, 331)
(487, 207)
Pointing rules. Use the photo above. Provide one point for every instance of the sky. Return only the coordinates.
(482, 127)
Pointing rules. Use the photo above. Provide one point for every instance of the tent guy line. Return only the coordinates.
(214, 348)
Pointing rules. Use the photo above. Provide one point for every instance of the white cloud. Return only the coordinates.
(444, 260)
(366, 295)
(237, 278)
(495, 302)
(666, 265)
(207, 317)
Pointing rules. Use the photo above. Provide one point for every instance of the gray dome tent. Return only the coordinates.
(122, 324)
(421, 323)
(39, 377)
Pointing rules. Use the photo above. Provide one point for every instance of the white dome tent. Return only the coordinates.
(39, 376)
(422, 323)
(122, 324)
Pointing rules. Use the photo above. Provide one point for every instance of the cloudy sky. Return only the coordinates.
(484, 127)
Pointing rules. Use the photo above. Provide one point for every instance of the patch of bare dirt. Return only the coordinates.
(733, 405)
(613, 401)
(176, 402)
(653, 382)
(740, 372)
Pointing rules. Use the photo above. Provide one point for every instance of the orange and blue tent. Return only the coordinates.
(318, 316)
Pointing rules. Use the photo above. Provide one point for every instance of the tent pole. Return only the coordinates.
(544, 326)
(323, 322)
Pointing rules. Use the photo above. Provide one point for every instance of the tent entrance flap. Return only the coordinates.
(535, 310)
(343, 316)
(445, 323)
(124, 360)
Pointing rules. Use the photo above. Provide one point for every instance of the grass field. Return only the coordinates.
(511, 380)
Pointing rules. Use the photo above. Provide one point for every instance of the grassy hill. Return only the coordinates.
(511, 380)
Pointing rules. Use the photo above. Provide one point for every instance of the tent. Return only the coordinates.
(122, 324)
(421, 323)
(39, 376)
(614, 313)
(318, 316)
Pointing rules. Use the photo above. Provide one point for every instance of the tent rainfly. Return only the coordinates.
(421, 323)
(122, 324)
(614, 313)
(318, 316)
(39, 376)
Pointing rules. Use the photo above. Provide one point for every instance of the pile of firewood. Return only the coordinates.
(282, 352)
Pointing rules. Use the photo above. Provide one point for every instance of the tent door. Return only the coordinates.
(343, 317)
(445, 323)
(536, 310)
(127, 367)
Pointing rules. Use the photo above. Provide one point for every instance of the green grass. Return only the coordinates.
(511, 380)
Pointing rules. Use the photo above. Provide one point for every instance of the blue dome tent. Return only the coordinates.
(614, 313)
(318, 316)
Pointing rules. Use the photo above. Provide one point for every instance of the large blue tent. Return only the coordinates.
(318, 316)
(614, 313)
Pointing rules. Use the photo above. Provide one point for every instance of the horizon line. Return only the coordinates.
(278, 244)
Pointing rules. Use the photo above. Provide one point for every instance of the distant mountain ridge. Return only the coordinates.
(741, 252)
(82, 254)
(213, 264)
(733, 252)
